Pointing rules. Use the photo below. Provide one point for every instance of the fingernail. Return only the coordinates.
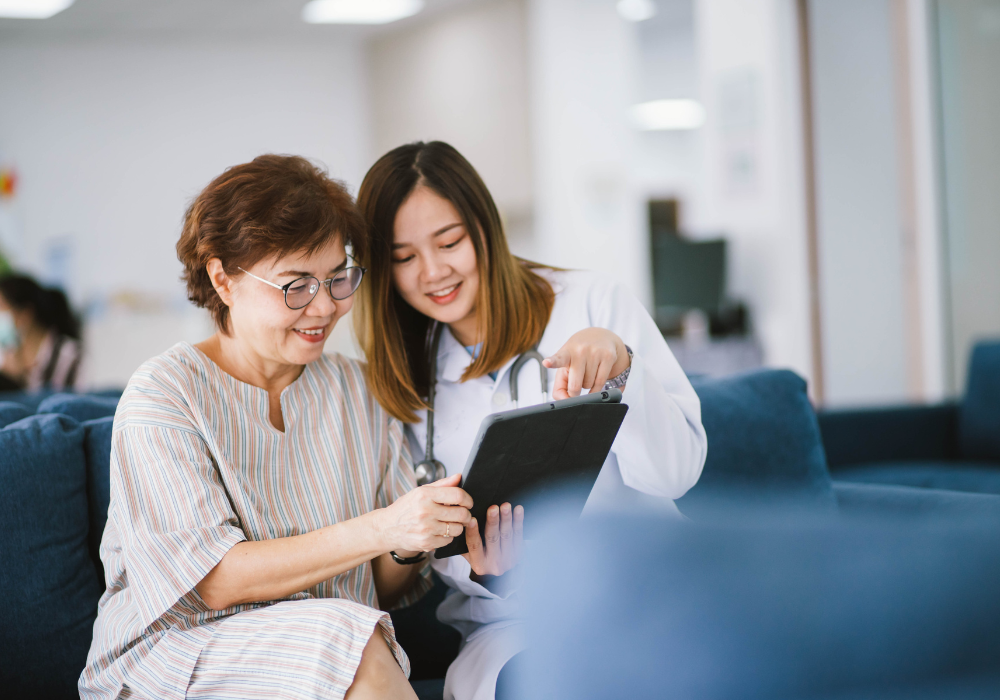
(506, 508)
(472, 523)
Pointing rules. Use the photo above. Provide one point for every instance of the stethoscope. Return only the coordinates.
(430, 469)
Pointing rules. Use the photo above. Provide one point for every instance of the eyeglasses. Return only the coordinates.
(299, 292)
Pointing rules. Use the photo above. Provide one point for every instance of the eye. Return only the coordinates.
(454, 243)
(403, 260)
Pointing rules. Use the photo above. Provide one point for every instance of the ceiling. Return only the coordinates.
(172, 19)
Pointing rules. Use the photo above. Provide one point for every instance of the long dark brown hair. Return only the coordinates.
(514, 302)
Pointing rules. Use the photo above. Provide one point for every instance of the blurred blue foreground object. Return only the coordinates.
(763, 606)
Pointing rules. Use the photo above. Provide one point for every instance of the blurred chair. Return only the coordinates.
(770, 607)
(952, 446)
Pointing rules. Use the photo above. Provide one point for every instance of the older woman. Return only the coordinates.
(263, 511)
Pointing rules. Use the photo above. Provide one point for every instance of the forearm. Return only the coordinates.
(393, 580)
(274, 569)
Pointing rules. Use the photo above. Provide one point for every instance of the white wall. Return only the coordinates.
(589, 209)
(858, 202)
(754, 179)
(112, 140)
(461, 77)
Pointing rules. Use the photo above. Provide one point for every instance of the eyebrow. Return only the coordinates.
(301, 273)
(443, 229)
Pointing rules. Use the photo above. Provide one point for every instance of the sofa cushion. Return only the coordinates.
(11, 412)
(50, 588)
(979, 417)
(763, 442)
(971, 477)
(82, 407)
(889, 500)
(97, 447)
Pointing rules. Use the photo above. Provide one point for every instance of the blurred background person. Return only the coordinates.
(39, 336)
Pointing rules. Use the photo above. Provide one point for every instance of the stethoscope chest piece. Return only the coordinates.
(429, 471)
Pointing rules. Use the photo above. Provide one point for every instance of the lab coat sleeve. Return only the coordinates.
(661, 446)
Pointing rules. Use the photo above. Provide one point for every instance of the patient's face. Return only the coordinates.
(264, 324)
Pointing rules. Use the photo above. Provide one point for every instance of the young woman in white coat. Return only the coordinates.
(439, 259)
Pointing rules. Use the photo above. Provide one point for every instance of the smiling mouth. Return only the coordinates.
(446, 294)
(312, 331)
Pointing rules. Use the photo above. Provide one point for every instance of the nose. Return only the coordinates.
(434, 269)
(322, 304)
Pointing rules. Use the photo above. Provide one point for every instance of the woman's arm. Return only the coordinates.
(275, 569)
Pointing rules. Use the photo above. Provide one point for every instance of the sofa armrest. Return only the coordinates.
(881, 501)
(898, 433)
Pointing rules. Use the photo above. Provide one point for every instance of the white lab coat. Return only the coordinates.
(657, 456)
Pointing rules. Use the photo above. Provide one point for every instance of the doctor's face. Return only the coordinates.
(434, 262)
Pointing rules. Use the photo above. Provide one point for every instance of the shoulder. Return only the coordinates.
(583, 286)
(163, 383)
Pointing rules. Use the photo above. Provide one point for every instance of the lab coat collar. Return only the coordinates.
(454, 359)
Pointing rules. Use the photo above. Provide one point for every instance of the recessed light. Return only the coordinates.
(636, 10)
(359, 11)
(668, 115)
(32, 9)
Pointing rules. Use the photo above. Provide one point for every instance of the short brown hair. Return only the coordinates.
(514, 302)
(273, 205)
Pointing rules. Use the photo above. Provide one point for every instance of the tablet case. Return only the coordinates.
(535, 451)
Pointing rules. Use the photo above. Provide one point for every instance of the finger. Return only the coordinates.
(506, 535)
(575, 381)
(451, 496)
(602, 375)
(474, 541)
(453, 480)
(518, 531)
(559, 359)
(452, 514)
(559, 390)
(492, 532)
(590, 373)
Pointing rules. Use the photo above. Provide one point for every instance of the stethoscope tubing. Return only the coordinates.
(431, 469)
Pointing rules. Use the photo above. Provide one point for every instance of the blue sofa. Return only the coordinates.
(764, 450)
(952, 446)
(763, 607)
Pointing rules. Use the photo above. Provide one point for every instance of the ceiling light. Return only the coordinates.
(668, 115)
(359, 11)
(32, 9)
(636, 10)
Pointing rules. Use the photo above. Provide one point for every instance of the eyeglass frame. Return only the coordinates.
(328, 282)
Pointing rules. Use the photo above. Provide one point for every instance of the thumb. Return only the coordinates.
(559, 359)
(453, 480)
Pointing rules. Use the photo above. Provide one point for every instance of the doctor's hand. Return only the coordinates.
(588, 359)
(504, 537)
(428, 517)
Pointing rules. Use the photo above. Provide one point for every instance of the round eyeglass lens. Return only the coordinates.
(301, 292)
(345, 282)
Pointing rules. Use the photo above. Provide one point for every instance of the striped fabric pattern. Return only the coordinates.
(196, 467)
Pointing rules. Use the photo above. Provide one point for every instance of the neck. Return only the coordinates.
(237, 359)
(465, 331)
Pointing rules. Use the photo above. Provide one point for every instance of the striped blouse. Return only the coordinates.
(197, 467)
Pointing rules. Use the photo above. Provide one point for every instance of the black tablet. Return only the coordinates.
(535, 450)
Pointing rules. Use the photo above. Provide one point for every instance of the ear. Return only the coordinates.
(222, 282)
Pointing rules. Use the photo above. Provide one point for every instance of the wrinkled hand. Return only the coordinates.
(426, 518)
(504, 537)
(588, 359)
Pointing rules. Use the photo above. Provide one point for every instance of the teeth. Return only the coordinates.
(444, 292)
(315, 332)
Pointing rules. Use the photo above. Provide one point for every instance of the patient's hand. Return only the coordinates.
(504, 537)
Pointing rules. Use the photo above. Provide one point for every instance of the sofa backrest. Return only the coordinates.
(763, 442)
(97, 447)
(979, 414)
(82, 407)
(49, 582)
